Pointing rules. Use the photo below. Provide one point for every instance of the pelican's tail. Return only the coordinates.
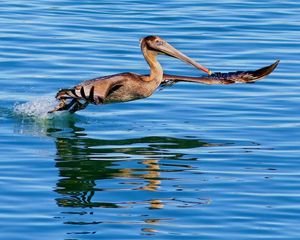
(78, 92)
(65, 93)
(74, 99)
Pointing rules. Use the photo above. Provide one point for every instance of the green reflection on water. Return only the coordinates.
(82, 161)
(89, 169)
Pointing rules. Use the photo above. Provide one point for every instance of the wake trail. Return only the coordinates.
(39, 107)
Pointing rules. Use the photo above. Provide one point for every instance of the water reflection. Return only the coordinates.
(119, 174)
(82, 162)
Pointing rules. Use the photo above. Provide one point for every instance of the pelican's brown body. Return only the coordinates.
(128, 86)
(121, 87)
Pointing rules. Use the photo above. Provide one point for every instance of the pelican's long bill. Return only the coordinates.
(163, 47)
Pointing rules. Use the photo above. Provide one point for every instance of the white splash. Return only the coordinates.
(37, 108)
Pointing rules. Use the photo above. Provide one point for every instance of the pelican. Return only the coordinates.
(124, 87)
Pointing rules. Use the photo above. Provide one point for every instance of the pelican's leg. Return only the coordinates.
(63, 105)
(78, 106)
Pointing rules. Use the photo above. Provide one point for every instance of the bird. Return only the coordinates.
(128, 86)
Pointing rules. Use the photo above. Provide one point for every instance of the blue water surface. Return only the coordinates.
(191, 162)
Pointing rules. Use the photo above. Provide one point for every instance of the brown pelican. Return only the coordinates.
(128, 86)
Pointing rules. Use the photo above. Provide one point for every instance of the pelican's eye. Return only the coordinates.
(159, 43)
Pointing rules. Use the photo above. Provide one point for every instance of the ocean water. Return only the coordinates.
(192, 161)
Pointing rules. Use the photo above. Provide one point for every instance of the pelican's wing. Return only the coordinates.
(93, 91)
(223, 78)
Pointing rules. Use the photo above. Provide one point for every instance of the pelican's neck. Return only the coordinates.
(156, 71)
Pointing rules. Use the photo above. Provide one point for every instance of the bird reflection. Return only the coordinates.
(98, 173)
(84, 162)
(152, 175)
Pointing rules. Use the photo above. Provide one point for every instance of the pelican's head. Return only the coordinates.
(159, 46)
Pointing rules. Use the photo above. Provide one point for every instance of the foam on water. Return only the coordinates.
(37, 108)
